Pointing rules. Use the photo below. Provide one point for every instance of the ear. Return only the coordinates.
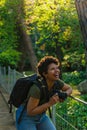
(45, 74)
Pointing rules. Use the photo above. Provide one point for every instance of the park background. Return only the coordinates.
(31, 29)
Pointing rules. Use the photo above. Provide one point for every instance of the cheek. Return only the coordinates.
(51, 73)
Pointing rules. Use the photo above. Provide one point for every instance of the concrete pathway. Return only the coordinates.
(6, 119)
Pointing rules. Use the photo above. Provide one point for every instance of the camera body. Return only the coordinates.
(61, 95)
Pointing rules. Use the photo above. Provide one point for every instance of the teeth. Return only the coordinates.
(56, 75)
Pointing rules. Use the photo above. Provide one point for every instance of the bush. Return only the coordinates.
(9, 58)
(74, 78)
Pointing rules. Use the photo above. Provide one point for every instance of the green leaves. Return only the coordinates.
(8, 34)
(9, 57)
(52, 24)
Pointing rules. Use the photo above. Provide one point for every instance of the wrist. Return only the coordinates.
(67, 94)
(48, 104)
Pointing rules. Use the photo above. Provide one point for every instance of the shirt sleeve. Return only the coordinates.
(34, 92)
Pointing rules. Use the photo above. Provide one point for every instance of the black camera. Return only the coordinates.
(62, 95)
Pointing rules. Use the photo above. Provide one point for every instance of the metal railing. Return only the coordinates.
(69, 115)
(8, 78)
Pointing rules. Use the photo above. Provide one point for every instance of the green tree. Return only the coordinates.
(42, 27)
(14, 35)
(54, 27)
(8, 36)
(81, 7)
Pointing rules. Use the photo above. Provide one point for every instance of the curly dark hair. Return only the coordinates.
(43, 64)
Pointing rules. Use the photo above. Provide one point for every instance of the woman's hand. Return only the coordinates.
(67, 88)
(54, 99)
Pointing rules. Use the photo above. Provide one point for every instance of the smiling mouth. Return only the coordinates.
(57, 76)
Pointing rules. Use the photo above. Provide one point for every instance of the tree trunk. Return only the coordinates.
(25, 40)
(22, 49)
(27, 44)
(81, 6)
(59, 54)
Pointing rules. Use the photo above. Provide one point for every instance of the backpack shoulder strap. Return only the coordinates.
(44, 88)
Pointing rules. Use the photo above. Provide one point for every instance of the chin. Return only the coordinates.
(56, 79)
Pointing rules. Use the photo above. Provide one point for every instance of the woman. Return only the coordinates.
(34, 117)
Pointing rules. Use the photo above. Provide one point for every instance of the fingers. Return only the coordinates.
(61, 100)
(55, 98)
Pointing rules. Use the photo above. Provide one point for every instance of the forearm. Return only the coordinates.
(69, 91)
(33, 108)
(39, 109)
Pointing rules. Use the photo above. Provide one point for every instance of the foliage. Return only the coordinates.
(70, 109)
(74, 61)
(8, 36)
(74, 78)
(9, 58)
(74, 112)
(48, 25)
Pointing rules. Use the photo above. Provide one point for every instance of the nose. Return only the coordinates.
(58, 70)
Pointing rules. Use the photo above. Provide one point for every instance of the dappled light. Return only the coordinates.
(32, 29)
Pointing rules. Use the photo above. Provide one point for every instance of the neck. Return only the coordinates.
(50, 84)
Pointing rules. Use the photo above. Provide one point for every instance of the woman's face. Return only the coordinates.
(53, 72)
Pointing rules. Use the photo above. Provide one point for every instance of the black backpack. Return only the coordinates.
(21, 89)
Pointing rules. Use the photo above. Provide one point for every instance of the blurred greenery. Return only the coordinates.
(74, 78)
(54, 29)
(51, 30)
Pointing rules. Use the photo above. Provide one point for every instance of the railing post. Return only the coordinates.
(54, 115)
(4, 73)
(0, 76)
(14, 80)
(14, 76)
(8, 79)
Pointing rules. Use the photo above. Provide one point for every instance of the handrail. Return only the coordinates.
(66, 121)
(54, 111)
(73, 117)
(79, 100)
